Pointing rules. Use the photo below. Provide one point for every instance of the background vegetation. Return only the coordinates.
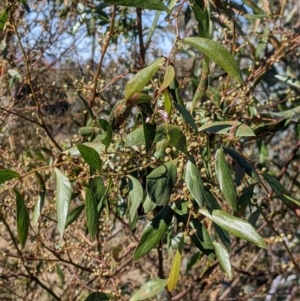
(149, 150)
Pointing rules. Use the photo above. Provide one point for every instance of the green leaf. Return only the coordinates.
(149, 289)
(212, 204)
(281, 192)
(252, 4)
(276, 125)
(153, 26)
(15, 77)
(175, 270)
(87, 106)
(91, 213)
(186, 115)
(148, 205)
(287, 113)
(254, 217)
(98, 296)
(178, 140)
(289, 80)
(253, 17)
(278, 188)
(235, 226)
(136, 137)
(88, 130)
(138, 98)
(22, 219)
(119, 114)
(226, 127)
(160, 183)
(194, 182)
(3, 18)
(168, 78)
(149, 133)
(60, 274)
(193, 260)
(163, 130)
(141, 79)
(167, 104)
(245, 198)
(154, 232)
(97, 146)
(40, 201)
(63, 197)
(218, 54)
(201, 238)
(25, 5)
(243, 162)
(225, 180)
(150, 4)
(7, 174)
(73, 215)
(106, 127)
(203, 20)
(224, 259)
(90, 156)
(98, 188)
(136, 197)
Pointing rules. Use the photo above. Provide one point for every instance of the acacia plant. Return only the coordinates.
(179, 162)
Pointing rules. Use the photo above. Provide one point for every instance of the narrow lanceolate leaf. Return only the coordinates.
(223, 258)
(233, 128)
(149, 289)
(141, 79)
(7, 174)
(289, 80)
(235, 226)
(149, 133)
(168, 78)
(22, 219)
(91, 212)
(154, 232)
(287, 113)
(106, 127)
(136, 196)
(194, 182)
(218, 54)
(243, 162)
(73, 215)
(186, 115)
(175, 270)
(40, 201)
(225, 180)
(281, 192)
(90, 156)
(160, 183)
(99, 147)
(150, 4)
(3, 18)
(63, 197)
(178, 140)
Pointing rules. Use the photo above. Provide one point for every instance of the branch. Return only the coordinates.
(140, 34)
(39, 115)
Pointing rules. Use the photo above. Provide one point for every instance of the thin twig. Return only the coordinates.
(103, 52)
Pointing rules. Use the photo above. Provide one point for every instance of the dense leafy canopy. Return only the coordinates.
(145, 144)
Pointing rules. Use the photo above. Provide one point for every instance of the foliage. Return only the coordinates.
(137, 166)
